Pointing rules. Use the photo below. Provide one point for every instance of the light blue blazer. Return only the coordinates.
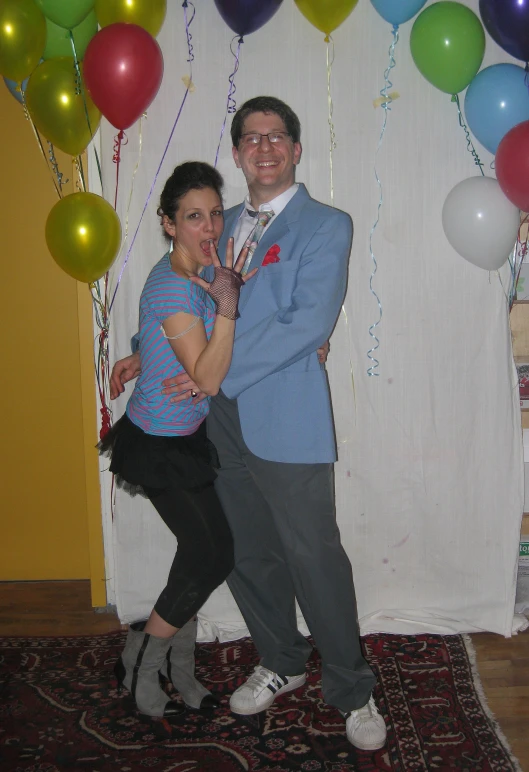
(286, 312)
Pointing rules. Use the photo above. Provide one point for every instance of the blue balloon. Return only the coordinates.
(12, 86)
(245, 16)
(496, 100)
(397, 11)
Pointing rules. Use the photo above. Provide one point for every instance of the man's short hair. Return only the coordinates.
(265, 104)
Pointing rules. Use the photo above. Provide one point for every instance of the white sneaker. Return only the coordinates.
(365, 727)
(261, 689)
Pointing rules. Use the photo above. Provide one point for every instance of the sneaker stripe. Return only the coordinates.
(277, 683)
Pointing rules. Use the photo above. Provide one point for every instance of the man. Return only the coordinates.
(273, 429)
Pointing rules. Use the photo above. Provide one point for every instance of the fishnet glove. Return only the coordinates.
(225, 289)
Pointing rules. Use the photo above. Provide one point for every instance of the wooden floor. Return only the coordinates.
(503, 666)
(63, 608)
(51, 608)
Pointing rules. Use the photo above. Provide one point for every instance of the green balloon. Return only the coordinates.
(58, 42)
(447, 44)
(22, 38)
(66, 13)
(83, 234)
(63, 114)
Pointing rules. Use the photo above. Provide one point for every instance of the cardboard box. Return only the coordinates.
(522, 368)
(522, 285)
(521, 604)
(525, 434)
(519, 319)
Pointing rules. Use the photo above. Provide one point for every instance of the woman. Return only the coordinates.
(160, 449)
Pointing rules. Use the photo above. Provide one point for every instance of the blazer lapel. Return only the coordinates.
(229, 227)
(282, 224)
(279, 228)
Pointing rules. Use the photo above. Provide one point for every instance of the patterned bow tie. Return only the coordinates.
(263, 218)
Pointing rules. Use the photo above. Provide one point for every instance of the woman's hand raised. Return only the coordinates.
(226, 286)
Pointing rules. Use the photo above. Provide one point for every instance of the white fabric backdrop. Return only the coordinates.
(429, 483)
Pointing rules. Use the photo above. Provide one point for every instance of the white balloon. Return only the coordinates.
(480, 222)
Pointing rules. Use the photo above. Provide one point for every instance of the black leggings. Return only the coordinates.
(204, 557)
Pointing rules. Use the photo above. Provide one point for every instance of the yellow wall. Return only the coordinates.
(50, 520)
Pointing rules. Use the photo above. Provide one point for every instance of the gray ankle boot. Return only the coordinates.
(137, 670)
(179, 668)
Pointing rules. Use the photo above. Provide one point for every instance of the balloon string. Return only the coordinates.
(81, 184)
(102, 369)
(185, 5)
(516, 259)
(102, 362)
(102, 365)
(56, 176)
(116, 158)
(55, 166)
(80, 91)
(188, 87)
(190, 59)
(470, 146)
(131, 193)
(231, 105)
(387, 99)
(332, 135)
(351, 369)
(332, 145)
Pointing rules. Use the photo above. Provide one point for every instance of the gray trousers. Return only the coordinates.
(287, 546)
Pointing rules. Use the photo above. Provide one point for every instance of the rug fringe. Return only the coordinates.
(476, 679)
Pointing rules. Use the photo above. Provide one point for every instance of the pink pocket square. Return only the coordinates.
(272, 256)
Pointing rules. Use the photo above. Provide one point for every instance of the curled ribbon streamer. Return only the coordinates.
(329, 55)
(80, 183)
(385, 104)
(351, 370)
(79, 90)
(189, 37)
(332, 135)
(185, 5)
(57, 183)
(186, 79)
(55, 166)
(231, 105)
(102, 361)
(127, 212)
(470, 146)
(103, 308)
(116, 158)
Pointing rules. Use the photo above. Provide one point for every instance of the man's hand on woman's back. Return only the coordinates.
(124, 371)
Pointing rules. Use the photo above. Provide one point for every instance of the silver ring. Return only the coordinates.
(193, 394)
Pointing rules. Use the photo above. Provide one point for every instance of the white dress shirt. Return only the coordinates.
(246, 222)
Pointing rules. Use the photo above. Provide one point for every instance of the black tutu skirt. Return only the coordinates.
(147, 464)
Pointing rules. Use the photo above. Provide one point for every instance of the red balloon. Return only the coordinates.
(512, 165)
(123, 69)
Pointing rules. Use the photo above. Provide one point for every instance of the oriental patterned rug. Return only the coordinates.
(60, 710)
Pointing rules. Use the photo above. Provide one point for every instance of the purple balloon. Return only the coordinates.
(245, 16)
(507, 22)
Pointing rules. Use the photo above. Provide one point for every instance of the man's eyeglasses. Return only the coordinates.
(274, 137)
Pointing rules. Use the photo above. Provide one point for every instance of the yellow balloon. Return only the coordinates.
(63, 112)
(83, 234)
(22, 38)
(326, 15)
(148, 14)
